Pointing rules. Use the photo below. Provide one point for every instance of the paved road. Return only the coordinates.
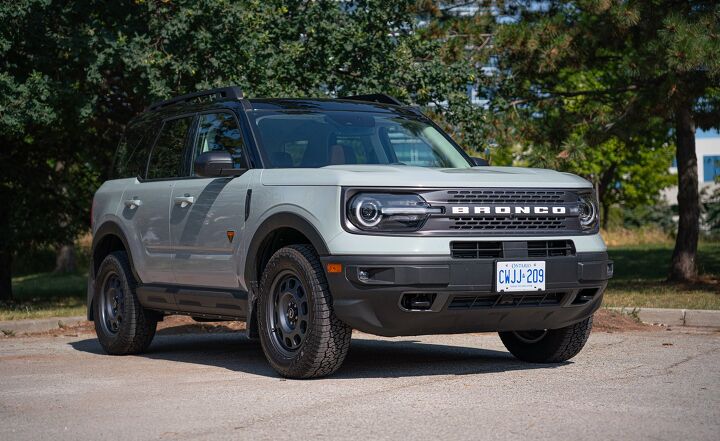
(635, 385)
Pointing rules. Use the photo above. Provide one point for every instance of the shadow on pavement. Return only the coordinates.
(366, 359)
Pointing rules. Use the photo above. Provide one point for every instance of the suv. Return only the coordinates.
(308, 218)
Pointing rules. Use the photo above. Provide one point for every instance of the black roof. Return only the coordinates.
(232, 97)
(323, 104)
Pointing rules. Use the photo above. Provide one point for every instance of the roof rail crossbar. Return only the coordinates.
(374, 98)
(233, 92)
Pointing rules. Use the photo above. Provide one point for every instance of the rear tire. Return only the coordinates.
(299, 332)
(550, 346)
(122, 325)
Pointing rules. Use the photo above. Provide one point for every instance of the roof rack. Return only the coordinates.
(233, 92)
(374, 98)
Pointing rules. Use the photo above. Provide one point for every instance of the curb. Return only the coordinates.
(674, 317)
(39, 325)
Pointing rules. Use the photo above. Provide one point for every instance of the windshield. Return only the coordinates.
(307, 139)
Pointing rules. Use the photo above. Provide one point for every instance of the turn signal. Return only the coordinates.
(334, 267)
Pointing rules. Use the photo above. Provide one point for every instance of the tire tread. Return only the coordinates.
(139, 327)
(328, 338)
(557, 346)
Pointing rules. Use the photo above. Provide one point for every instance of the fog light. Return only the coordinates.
(363, 275)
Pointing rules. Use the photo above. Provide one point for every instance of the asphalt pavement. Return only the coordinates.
(632, 385)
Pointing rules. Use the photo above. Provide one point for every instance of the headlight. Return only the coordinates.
(389, 212)
(588, 211)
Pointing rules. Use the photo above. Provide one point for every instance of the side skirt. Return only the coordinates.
(195, 301)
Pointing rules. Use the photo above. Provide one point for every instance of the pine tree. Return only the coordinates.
(615, 68)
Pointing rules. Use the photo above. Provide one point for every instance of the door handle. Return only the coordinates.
(133, 203)
(184, 201)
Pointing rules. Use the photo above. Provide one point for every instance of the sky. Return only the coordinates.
(707, 134)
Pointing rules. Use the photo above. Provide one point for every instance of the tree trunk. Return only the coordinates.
(602, 188)
(6, 294)
(683, 267)
(65, 261)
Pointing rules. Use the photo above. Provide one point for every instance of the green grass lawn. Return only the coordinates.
(46, 295)
(639, 281)
(640, 273)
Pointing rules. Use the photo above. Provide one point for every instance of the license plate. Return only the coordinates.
(520, 276)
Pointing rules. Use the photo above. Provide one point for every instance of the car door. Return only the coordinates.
(208, 214)
(146, 202)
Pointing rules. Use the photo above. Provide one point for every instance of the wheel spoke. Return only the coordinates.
(289, 313)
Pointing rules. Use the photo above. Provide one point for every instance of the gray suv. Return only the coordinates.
(308, 218)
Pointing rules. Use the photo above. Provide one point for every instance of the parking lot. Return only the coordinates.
(654, 384)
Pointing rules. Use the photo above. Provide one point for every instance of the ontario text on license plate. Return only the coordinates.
(520, 276)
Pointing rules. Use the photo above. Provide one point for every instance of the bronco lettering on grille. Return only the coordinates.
(509, 210)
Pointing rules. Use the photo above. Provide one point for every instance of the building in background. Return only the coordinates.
(707, 146)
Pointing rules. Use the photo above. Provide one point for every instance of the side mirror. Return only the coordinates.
(480, 161)
(216, 164)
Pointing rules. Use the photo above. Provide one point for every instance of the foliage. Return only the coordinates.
(658, 216)
(581, 74)
(712, 213)
(73, 73)
(584, 86)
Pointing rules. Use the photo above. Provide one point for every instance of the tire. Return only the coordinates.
(299, 332)
(550, 346)
(122, 325)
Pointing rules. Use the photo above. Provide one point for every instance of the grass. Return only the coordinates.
(640, 272)
(45, 295)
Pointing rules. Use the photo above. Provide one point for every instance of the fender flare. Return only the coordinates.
(111, 228)
(275, 222)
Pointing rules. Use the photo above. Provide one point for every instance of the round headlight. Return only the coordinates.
(389, 212)
(367, 211)
(588, 211)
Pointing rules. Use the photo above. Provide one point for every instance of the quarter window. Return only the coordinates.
(166, 160)
(219, 132)
(711, 168)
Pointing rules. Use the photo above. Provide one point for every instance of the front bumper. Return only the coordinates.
(461, 295)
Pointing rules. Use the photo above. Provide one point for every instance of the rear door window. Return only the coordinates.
(167, 157)
(132, 153)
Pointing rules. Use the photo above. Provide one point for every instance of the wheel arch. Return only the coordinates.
(275, 232)
(279, 230)
(109, 237)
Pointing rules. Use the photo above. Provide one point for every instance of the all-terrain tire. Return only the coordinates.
(556, 346)
(326, 339)
(135, 329)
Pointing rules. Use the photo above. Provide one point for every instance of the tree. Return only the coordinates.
(73, 73)
(45, 175)
(640, 61)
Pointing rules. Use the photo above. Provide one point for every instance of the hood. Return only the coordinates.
(422, 177)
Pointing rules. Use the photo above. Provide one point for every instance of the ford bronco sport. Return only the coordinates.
(308, 218)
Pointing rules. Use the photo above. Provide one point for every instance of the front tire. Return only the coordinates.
(122, 325)
(548, 346)
(299, 332)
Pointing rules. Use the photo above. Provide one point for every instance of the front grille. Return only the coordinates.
(551, 248)
(476, 250)
(503, 211)
(500, 196)
(507, 223)
(495, 250)
(487, 301)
